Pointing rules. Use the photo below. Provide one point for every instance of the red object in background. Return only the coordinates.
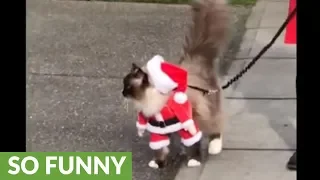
(291, 29)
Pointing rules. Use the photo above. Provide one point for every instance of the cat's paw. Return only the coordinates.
(215, 146)
(193, 163)
(153, 164)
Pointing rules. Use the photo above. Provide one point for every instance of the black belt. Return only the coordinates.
(163, 124)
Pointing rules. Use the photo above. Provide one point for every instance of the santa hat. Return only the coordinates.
(168, 77)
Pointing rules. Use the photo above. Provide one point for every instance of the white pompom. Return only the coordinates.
(180, 98)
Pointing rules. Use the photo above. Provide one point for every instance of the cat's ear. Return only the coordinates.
(134, 68)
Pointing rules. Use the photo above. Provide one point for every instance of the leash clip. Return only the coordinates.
(212, 91)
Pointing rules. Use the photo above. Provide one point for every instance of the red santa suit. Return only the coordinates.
(176, 115)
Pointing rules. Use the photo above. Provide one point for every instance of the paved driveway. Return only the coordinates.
(77, 54)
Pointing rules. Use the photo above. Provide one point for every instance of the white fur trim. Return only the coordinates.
(157, 58)
(191, 141)
(153, 164)
(187, 123)
(215, 146)
(161, 81)
(141, 126)
(159, 144)
(166, 130)
(193, 163)
(180, 97)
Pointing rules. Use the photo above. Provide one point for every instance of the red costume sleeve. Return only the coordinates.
(142, 121)
(183, 112)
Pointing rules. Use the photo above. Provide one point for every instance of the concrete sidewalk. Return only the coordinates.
(260, 133)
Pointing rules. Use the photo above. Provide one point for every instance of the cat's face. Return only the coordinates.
(135, 83)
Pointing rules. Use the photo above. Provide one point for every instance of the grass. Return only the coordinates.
(243, 2)
(155, 1)
(233, 2)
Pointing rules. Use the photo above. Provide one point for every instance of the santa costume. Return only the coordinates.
(176, 115)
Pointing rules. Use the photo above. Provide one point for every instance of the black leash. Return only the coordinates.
(257, 57)
(204, 91)
(254, 60)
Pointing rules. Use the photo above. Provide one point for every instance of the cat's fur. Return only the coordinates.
(203, 45)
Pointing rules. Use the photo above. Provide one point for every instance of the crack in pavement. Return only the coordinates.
(262, 98)
(258, 149)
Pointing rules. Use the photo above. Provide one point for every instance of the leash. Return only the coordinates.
(254, 60)
(264, 49)
(204, 91)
